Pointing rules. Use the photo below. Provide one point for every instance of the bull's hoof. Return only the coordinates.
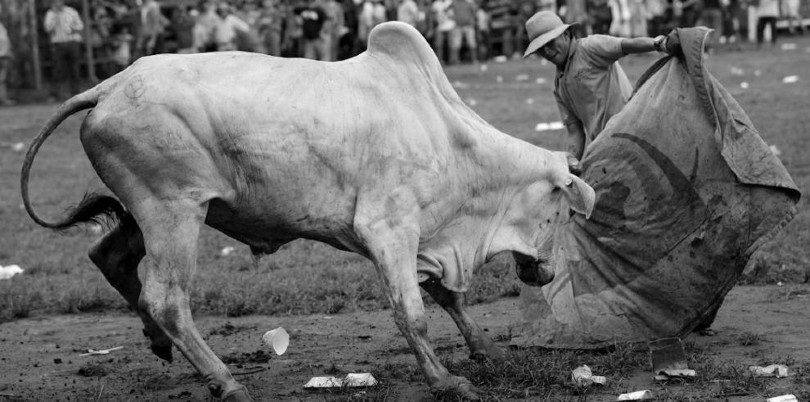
(237, 395)
(162, 351)
(456, 386)
(493, 354)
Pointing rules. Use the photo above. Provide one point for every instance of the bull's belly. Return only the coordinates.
(265, 230)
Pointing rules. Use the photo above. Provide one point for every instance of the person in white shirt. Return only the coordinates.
(5, 57)
(444, 25)
(767, 12)
(63, 25)
(227, 28)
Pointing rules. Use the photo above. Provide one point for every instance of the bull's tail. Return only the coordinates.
(92, 205)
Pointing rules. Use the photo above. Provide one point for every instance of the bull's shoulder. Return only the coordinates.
(404, 44)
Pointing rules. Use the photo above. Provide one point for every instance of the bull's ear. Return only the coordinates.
(580, 195)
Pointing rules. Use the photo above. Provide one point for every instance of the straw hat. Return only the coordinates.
(542, 28)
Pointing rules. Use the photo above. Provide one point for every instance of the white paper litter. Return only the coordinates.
(783, 398)
(522, 77)
(774, 370)
(789, 46)
(460, 85)
(351, 380)
(530, 101)
(14, 146)
(499, 59)
(775, 150)
(737, 71)
(472, 102)
(91, 352)
(744, 85)
(540, 80)
(9, 271)
(583, 377)
(484, 68)
(278, 339)
(226, 251)
(636, 396)
(499, 79)
(790, 79)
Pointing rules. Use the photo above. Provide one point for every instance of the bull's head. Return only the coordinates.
(533, 216)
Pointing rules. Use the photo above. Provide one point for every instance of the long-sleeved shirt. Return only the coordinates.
(5, 43)
(64, 25)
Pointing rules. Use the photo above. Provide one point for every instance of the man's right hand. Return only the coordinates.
(573, 164)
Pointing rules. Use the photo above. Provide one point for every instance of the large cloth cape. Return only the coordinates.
(686, 191)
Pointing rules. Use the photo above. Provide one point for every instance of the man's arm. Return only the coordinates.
(576, 145)
(639, 45)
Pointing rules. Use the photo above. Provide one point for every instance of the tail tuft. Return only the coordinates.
(94, 208)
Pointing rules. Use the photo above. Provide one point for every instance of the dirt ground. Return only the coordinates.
(40, 356)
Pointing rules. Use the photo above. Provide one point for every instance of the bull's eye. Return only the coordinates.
(569, 183)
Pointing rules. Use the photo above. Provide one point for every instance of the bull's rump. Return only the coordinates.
(283, 145)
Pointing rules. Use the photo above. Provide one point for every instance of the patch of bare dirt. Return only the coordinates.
(40, 356)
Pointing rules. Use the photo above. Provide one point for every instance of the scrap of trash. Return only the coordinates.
(554, 125)
(669, 360)
(351, 380)
(9, 271)
(93, 352)
(774, 370)
(226, 251)
(14, 146)
(783, 398)
(790, 79)
(278, 339)
(583, 377)
(636, 396)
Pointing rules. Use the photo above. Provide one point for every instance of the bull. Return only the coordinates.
(376, 155)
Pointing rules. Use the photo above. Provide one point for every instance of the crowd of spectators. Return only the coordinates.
(459, 30)
(337, 29)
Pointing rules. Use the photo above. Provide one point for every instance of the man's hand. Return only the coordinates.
(672, 44)
(573, 164)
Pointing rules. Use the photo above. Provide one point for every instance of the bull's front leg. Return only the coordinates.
(394, 255)
(481, 346)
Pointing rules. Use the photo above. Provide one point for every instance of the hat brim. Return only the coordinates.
(547, 37)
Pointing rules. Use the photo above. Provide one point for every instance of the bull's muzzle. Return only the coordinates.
(533, 271)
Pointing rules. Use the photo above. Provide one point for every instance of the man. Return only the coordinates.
(5, 57)
(590, 86)
(228, 27)
(64, 26)
(316, 41)
(767, 13)
(151, 27)
(712, 17)
(464, 17)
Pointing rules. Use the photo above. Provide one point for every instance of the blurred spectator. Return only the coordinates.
(348, 41)
(711, 16)
(292, 42)
(249, 40)
(5, 58)
(316, 41)
(575, 12)
(524, 11)
(183, 27)
(122, 48)
(731, 22)
(408, 12)
(227, 28)
(151, 27)
(444, 24)
(464, 16)
(271, 25)
(600, 16)
(767, 11)
(790, 10)
(206, 27)
(333, 27)
(482, 20)
(657, 20)
(64, 26)
(620, 18)
(638, 18)
(372, 14)
(690, 11)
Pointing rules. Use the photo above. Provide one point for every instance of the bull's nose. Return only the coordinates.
(533, 272)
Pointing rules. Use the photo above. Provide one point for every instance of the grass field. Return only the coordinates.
(307, 277)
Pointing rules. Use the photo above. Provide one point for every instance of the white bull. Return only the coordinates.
(375, 155)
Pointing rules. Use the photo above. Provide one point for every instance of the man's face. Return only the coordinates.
(556, 51)
(58, 4)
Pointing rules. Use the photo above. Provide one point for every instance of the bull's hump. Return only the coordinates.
(403, 43)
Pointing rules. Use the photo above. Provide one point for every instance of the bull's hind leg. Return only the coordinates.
(117, 254)
(170, 238)
(481, 346)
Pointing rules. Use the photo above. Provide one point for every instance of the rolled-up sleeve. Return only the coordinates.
(601, 50)
(566, 114)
